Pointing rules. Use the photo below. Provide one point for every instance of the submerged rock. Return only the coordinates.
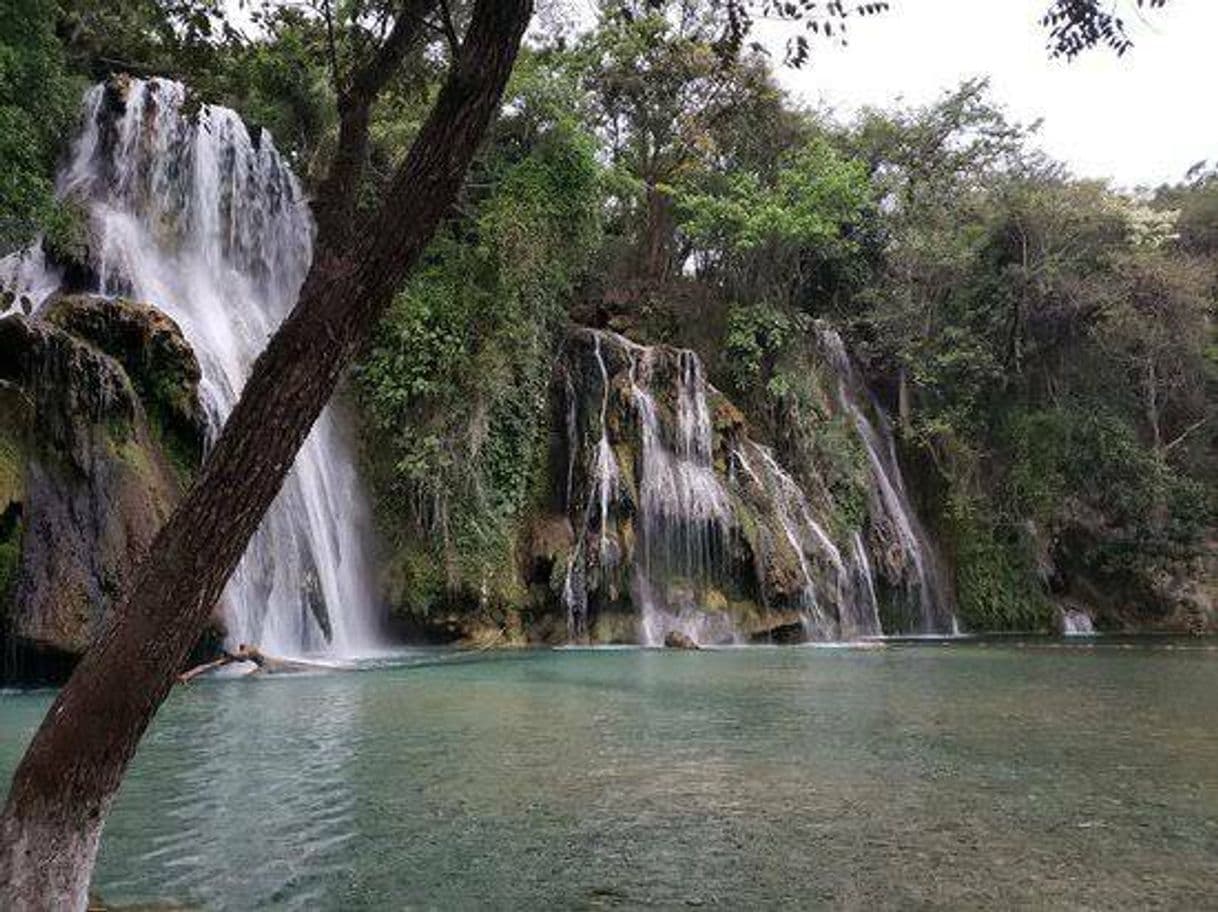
(86, 479)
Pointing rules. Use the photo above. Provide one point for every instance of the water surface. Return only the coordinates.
(910, 775)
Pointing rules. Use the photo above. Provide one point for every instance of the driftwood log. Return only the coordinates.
(264, 664)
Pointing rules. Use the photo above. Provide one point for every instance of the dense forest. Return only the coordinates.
(1042, 345)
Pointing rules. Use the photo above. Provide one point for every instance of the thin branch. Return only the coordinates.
(334, 206)
(1196, 425)
(331, 46)
(450, 31)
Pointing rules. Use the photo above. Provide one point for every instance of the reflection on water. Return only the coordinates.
(963, 775)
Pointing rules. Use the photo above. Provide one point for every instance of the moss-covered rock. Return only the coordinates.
(86, 477)
(156, 358)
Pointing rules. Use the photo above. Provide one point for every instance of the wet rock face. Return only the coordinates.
(153, 353)
(684, 525)
(86, 477)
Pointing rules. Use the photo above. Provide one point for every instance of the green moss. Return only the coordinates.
(558, 572)
(615, 627)
(133, 454)
(182, 453)
(119, 429)
(12, 470)
(10, 560)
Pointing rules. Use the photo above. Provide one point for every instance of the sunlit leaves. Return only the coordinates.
(828, 20)
(813, 193)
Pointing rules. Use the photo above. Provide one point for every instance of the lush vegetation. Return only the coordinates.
(1044, 344)
(455, 388)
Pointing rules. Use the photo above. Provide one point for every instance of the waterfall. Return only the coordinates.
(26, 279)
(684, 506)
(680, 510)
(676, 513)
(686, 515)
(930, 593)
(191, 213)
(866, 616)
(837, 600)
(1076, 623)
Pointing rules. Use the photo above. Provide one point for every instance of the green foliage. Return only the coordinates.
(812, 194)
(776, 374)
(455, 386)
(281, 84)
(996, 582)
(758, 336)
(1089, 455)
(38, 101)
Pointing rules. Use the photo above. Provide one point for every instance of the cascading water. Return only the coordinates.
(678, 514)
(658, 510)
(931, 595)
(835, 601)
(1076, 623)
(684, 507)
(192, 214)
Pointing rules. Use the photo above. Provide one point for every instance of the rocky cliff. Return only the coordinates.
(99, 430)
(661, 511)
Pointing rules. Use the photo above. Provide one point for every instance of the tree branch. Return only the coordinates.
(1196, 425)
(450, 31)
(334, 204)
(331, 46)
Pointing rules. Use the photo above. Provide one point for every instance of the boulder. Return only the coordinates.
(675, 639)
(156, 357)
(781, 634)
(86, 476)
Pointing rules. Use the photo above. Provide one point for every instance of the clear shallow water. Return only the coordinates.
(960, 775)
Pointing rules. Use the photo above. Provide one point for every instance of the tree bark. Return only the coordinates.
(657, 240)
(71, 771)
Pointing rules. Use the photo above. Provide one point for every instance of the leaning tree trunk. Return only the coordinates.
(71, 771)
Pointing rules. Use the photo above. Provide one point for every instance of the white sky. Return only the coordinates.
(1140, 120)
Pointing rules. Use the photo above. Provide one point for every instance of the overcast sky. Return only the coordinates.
(1142, 119)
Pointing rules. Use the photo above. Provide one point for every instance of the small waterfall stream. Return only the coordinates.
(684, 506)
(1075, 623)
(191, 213)
(933, 603)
